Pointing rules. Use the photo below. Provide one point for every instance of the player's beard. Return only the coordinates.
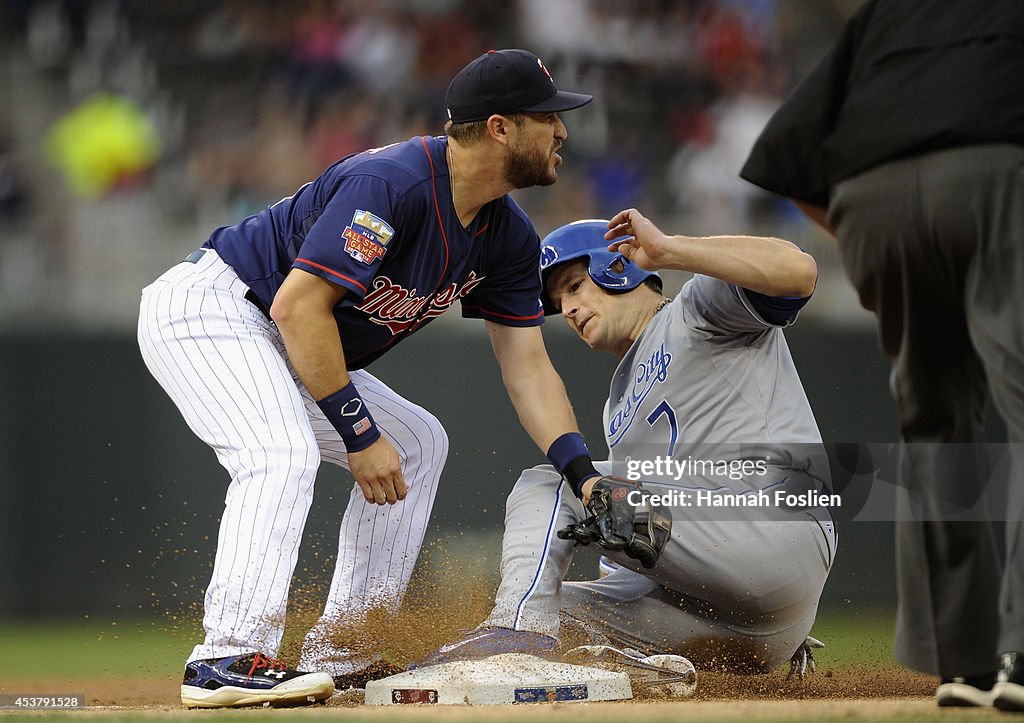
(525, 167)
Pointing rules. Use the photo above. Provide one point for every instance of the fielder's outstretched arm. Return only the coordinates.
(767, 265)
(540, 400)
(533, 385)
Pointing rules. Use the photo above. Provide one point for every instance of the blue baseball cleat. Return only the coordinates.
(252, 679)
(485, 642)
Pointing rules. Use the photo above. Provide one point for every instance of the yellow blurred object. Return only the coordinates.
(102, 142)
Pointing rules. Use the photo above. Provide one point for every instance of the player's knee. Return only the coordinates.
(442, 436)
(542, 479)
(282, 465)
(302, 458)
(426, 449)
(434, 439)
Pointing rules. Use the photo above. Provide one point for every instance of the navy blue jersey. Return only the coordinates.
(382, 224)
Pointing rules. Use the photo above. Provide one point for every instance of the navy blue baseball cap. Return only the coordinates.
(504, 82)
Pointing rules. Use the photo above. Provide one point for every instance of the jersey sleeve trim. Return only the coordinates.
(748, 306)
(771, 310)
(531, 317)
(332, 272)
(777, 310)
(475, 311)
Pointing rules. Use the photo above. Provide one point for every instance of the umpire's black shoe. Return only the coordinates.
(966, 691)
(360, 678)
(1008, 692)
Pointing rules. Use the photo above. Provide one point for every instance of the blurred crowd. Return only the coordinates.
(137, 127)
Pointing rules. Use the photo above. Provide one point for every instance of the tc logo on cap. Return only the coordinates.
(542, 67)
(504, 82)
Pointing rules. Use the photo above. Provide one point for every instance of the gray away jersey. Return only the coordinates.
(709, 380)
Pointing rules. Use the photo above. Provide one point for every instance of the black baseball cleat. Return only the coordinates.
(252, 679)
(1008, 692)
(965, 691)
(360, 678)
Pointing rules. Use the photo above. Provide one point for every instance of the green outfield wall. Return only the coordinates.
(108, 503)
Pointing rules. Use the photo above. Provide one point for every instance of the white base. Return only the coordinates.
(499, 679)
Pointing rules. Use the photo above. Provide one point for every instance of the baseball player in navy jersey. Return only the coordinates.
(705, 377)
(261, 338)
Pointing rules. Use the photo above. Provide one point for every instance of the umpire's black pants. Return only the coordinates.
(935, 248)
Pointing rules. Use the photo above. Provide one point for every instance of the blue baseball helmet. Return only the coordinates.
(585, 240)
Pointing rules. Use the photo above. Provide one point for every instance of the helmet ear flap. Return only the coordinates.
(613, 272)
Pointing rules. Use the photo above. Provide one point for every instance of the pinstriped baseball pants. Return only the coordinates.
(225, 367)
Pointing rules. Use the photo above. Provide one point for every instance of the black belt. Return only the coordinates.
(250, 295)
(256, 301)
(195, 255)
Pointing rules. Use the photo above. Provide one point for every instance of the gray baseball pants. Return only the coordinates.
(738, 593)
(934, 246)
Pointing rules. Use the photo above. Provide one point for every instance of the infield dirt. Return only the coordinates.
(826, 684)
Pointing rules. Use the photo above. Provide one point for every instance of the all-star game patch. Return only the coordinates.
(367, 237)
